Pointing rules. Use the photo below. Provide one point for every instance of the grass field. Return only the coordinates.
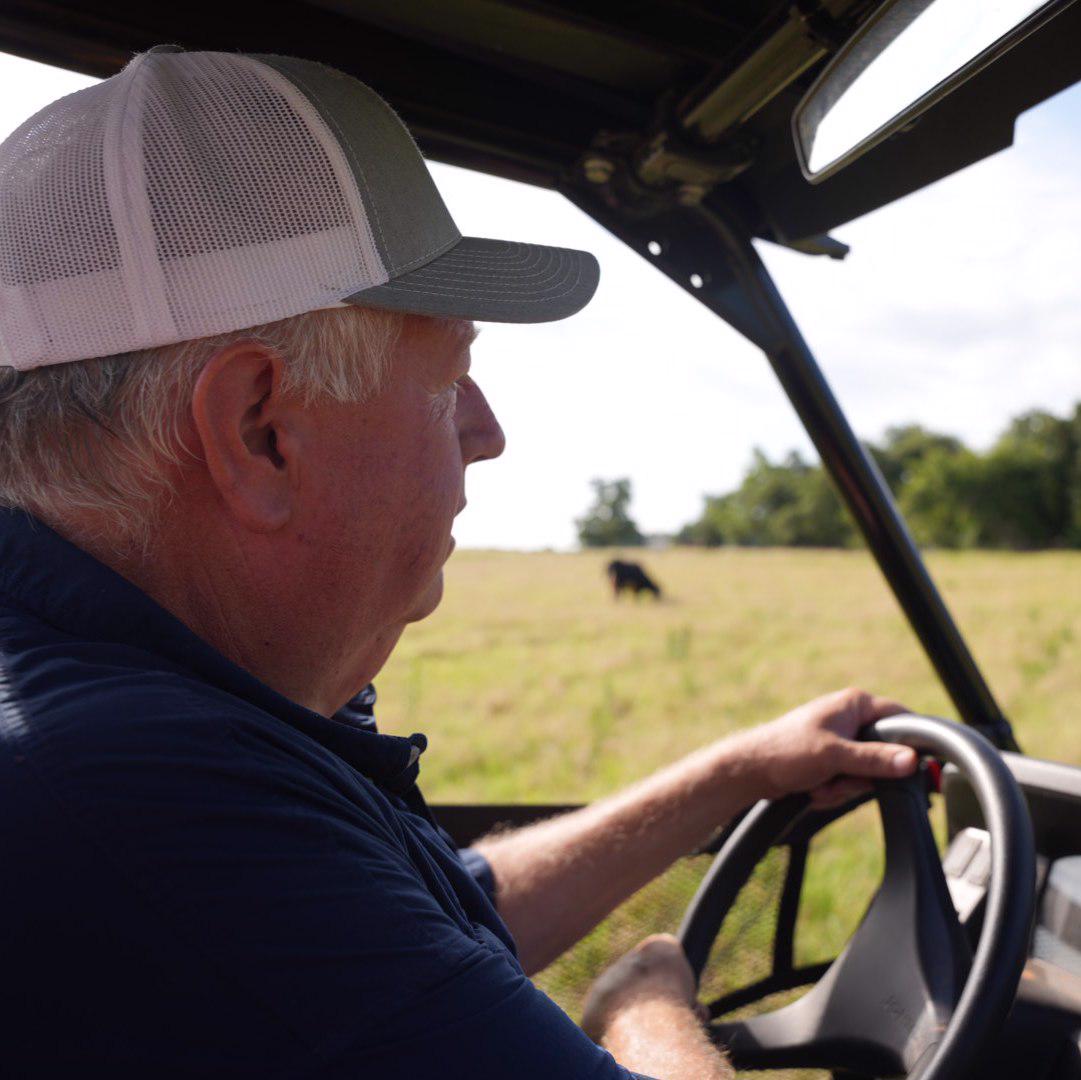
(534, 686)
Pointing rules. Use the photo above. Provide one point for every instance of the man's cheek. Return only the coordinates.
(420, 538)
(437, 473)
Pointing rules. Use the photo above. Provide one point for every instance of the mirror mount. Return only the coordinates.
(819, 25)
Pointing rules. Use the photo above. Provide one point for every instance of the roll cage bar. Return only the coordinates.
(703, 246)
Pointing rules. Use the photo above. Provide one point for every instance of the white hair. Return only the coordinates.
(95, 439)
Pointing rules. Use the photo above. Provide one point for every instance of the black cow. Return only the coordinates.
(629, 575)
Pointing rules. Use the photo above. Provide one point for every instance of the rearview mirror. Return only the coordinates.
(909, 55)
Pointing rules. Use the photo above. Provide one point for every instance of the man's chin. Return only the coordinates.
(429, 601)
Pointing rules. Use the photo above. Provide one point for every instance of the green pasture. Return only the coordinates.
(533, 685)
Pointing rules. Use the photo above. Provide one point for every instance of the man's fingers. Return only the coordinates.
(853, 709)
(881, 707)
(881, 761)
(838, 792)
(863, 708)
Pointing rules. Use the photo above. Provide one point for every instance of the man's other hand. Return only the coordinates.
(813, 748)
(643, 1009)
(656, 970)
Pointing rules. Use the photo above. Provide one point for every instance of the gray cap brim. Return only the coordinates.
(492, 281)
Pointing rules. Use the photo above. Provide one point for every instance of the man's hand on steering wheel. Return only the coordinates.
(813, 748)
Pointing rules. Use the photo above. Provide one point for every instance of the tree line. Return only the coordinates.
(1024, 493)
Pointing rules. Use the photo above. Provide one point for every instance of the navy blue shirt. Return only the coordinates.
(201, 878)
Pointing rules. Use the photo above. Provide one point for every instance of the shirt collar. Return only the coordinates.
(47, 577)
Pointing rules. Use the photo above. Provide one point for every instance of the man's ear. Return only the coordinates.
(242, 423)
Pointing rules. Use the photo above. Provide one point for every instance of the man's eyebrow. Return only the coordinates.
(466, 337)
(458, 334)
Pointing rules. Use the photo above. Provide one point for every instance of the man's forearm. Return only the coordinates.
(559, 878)
(665, 1040)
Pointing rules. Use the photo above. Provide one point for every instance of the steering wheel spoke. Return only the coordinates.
(886, 1000)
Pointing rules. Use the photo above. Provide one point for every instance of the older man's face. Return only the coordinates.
(391, 476)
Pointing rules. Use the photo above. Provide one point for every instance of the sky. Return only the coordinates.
(957, 308)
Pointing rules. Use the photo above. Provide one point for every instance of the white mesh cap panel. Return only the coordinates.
(192, 194)
(61, 285)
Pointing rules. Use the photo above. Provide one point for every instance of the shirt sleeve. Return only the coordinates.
(480, 870)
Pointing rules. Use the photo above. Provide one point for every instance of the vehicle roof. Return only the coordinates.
(640, 101)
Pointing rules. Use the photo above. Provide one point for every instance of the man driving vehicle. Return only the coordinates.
(235, 417)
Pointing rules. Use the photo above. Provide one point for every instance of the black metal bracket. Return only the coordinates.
(645, 172)
(820, 25)
(707, 250)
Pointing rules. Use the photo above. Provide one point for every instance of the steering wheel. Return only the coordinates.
(906, 997)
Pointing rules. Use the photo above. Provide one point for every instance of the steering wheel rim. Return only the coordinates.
(981, 1000)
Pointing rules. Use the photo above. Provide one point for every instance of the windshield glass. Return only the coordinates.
(954, 313)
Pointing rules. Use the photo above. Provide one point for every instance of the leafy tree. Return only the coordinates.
(1024, 493)
(789, 504)
(1073, 481)
(944, 497)
(1036, 463)
(607, 522)
(904, 447)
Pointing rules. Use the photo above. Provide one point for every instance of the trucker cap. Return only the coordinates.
(196, 193)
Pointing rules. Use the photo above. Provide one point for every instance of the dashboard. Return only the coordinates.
(1042, 1036)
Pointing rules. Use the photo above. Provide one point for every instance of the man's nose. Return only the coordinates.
(482, 436)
